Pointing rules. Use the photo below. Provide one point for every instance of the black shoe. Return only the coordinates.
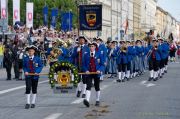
(165, 71)
(15, 78)
(128, 79)
(150, 79)
(27, 106)
(110, 77)
(118, 80)
(123, 80)
(161, 76)
(97, 103)
(78, 94)
(83, 95)
(86, 103)
(155, 79)
(32, 105)
(8, 79)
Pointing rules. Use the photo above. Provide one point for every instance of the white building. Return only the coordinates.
(148, 12)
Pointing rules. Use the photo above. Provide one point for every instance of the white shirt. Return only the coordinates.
(93, 53)
(31, 57)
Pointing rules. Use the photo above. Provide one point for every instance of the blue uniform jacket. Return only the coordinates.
(165, 50)
(157, 53)
(37, 65)
(121, 57)
(100, 66)
(103, 51)
(139, 51)
(75, 54)
(129, 54)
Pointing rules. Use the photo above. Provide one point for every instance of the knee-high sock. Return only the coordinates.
(154, 74)
(79, 88)
(151, 73)
(88, 95)
(97, 95)
(166, 67)
(33, 98)
(84, 88)
(28, 96)
(128, 74)
(123, 75)
(120, 75)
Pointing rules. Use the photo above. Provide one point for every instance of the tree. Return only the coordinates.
(62, 5)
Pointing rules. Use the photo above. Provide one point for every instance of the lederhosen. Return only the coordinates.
(153, 63)
(31, 83)
(92, 68)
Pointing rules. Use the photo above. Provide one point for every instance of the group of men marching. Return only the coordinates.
(123, 61)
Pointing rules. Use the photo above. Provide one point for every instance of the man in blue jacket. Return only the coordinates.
(31, 64)
(93, 63)
(154, 59)
(101, 48)
(79, 56)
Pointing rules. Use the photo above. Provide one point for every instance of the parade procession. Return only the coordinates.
(89, 59)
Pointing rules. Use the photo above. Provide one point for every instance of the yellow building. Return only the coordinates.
(137, 18)
(161, 22)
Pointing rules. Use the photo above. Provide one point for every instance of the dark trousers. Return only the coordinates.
(16, 69)
(166, 61)
(96, 82)
(31, 84)
(8, 70)
(128, 66)
(122, 67)
(162, 64)
(153, 65)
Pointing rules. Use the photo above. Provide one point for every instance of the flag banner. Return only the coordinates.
(29, 15)
(3, 9)
(16, 11)
(45, 15)
(90, 17)
(66, 21)
(54, 14)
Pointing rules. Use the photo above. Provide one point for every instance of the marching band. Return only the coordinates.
(122, 60)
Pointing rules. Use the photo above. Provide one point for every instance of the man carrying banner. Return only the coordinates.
(93, 63)
(78, 56)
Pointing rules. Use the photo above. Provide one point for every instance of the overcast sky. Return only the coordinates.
(171, 6)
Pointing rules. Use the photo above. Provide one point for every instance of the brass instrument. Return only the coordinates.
(69, 42)
(60, 42)
(54, 54)
(123, 49)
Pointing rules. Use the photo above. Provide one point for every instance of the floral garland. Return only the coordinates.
(73, 68)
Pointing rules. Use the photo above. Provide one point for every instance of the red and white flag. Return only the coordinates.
(16, 10)
(29, 14)
(3, 9)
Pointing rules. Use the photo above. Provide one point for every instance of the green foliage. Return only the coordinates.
(62, 5)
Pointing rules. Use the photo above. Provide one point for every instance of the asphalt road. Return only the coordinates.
(136, 99)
